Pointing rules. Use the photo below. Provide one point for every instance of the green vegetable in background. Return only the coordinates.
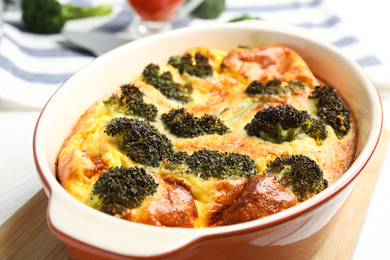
(49, 16)
(244, 17)
(210, 9)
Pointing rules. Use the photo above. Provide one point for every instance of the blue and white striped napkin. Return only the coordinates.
(33, 66)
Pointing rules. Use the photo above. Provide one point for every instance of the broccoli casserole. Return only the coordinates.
(210, 138)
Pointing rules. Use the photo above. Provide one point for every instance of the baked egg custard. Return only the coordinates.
(210, 138)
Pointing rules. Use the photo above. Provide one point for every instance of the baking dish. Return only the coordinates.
(294, 233)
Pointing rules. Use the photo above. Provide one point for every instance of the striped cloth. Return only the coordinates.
(33, 66)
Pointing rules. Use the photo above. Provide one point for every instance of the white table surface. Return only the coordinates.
(370, 20)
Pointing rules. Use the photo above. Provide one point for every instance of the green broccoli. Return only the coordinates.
(49, 16)
(210, 9)
(315, 129)
(130, 102)
(332, 109)
(298, 173)
(214, 164)
(221, 165)
(166, 85)
(211, 124)
(183, 124)
(198, 66)
(243, 17)
(141, 140)
(285, 123)
(178, 158)
(274, 87)
(121, 188)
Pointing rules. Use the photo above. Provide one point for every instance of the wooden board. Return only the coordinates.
(26, 235)
(342, 240)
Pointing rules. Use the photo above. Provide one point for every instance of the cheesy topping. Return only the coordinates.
(187, 200)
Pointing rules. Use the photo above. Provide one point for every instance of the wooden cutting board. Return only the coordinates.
(26, 235)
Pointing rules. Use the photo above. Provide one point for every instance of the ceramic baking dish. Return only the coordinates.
(292, 234)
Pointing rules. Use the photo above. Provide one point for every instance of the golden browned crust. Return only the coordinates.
(171, 206)
(266, 63)
(226, 193)
(263, 196)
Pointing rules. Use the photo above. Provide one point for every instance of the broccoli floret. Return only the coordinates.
(207, 164)
(332, 109)
(277, 124)
(274, 87)
(285, 123)
(141, 140)
(49, 16)
(121, 188)
(130, 102)
(184, 124)
(298, 173)
(178, 158)
(210, 9)
(166, 85)
(211, 124)
(198, 66)
(315, 129)
(220, 165)
(181, 123)
(213, 164)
